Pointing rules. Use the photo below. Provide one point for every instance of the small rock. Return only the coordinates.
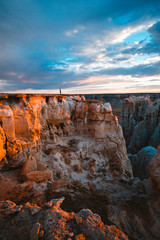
(77, 168)
(48, 204)
(80, 237)
(33, 208)
(59, 184)
(79, 220)
(39, 176)
(71, 234)
(92, 186)
(115, 173)
(55, 202)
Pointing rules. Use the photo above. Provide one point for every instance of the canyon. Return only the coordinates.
(65, 172)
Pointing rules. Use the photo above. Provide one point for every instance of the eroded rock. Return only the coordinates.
(76, 139)
(140, 122)
(56, 224)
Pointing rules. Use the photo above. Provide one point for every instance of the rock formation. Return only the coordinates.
(52, 223)
(140, 120)
(66, 151)
(76, 139)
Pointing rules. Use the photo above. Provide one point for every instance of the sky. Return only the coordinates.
(80, 46)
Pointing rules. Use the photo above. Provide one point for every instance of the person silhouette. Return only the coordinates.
(60, 91)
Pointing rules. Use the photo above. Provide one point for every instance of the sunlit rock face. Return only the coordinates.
(76, 139)
(51, 222)
(140, 120)
(2, 147)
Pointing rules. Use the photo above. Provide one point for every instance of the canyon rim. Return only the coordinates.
(79, 120)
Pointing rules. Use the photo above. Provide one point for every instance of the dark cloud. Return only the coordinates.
(145, 46)
(155, 31)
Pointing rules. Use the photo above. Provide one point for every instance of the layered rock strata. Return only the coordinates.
(73, 138)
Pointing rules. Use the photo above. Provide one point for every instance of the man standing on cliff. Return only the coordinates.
(60, 91)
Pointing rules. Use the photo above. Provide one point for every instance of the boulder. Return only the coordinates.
(39, 176)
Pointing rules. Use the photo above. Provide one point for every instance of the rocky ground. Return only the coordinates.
(51, 222)
(68, 151)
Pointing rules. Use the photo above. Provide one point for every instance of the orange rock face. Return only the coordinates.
(2, 142)
(6, 117)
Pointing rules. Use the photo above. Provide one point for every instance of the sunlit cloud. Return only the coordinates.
(105, 84)
(117, 84)
(119, 37)
(113, 79)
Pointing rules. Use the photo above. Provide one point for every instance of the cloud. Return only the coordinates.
(154, 30)
(48, 44)
(115, 84)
